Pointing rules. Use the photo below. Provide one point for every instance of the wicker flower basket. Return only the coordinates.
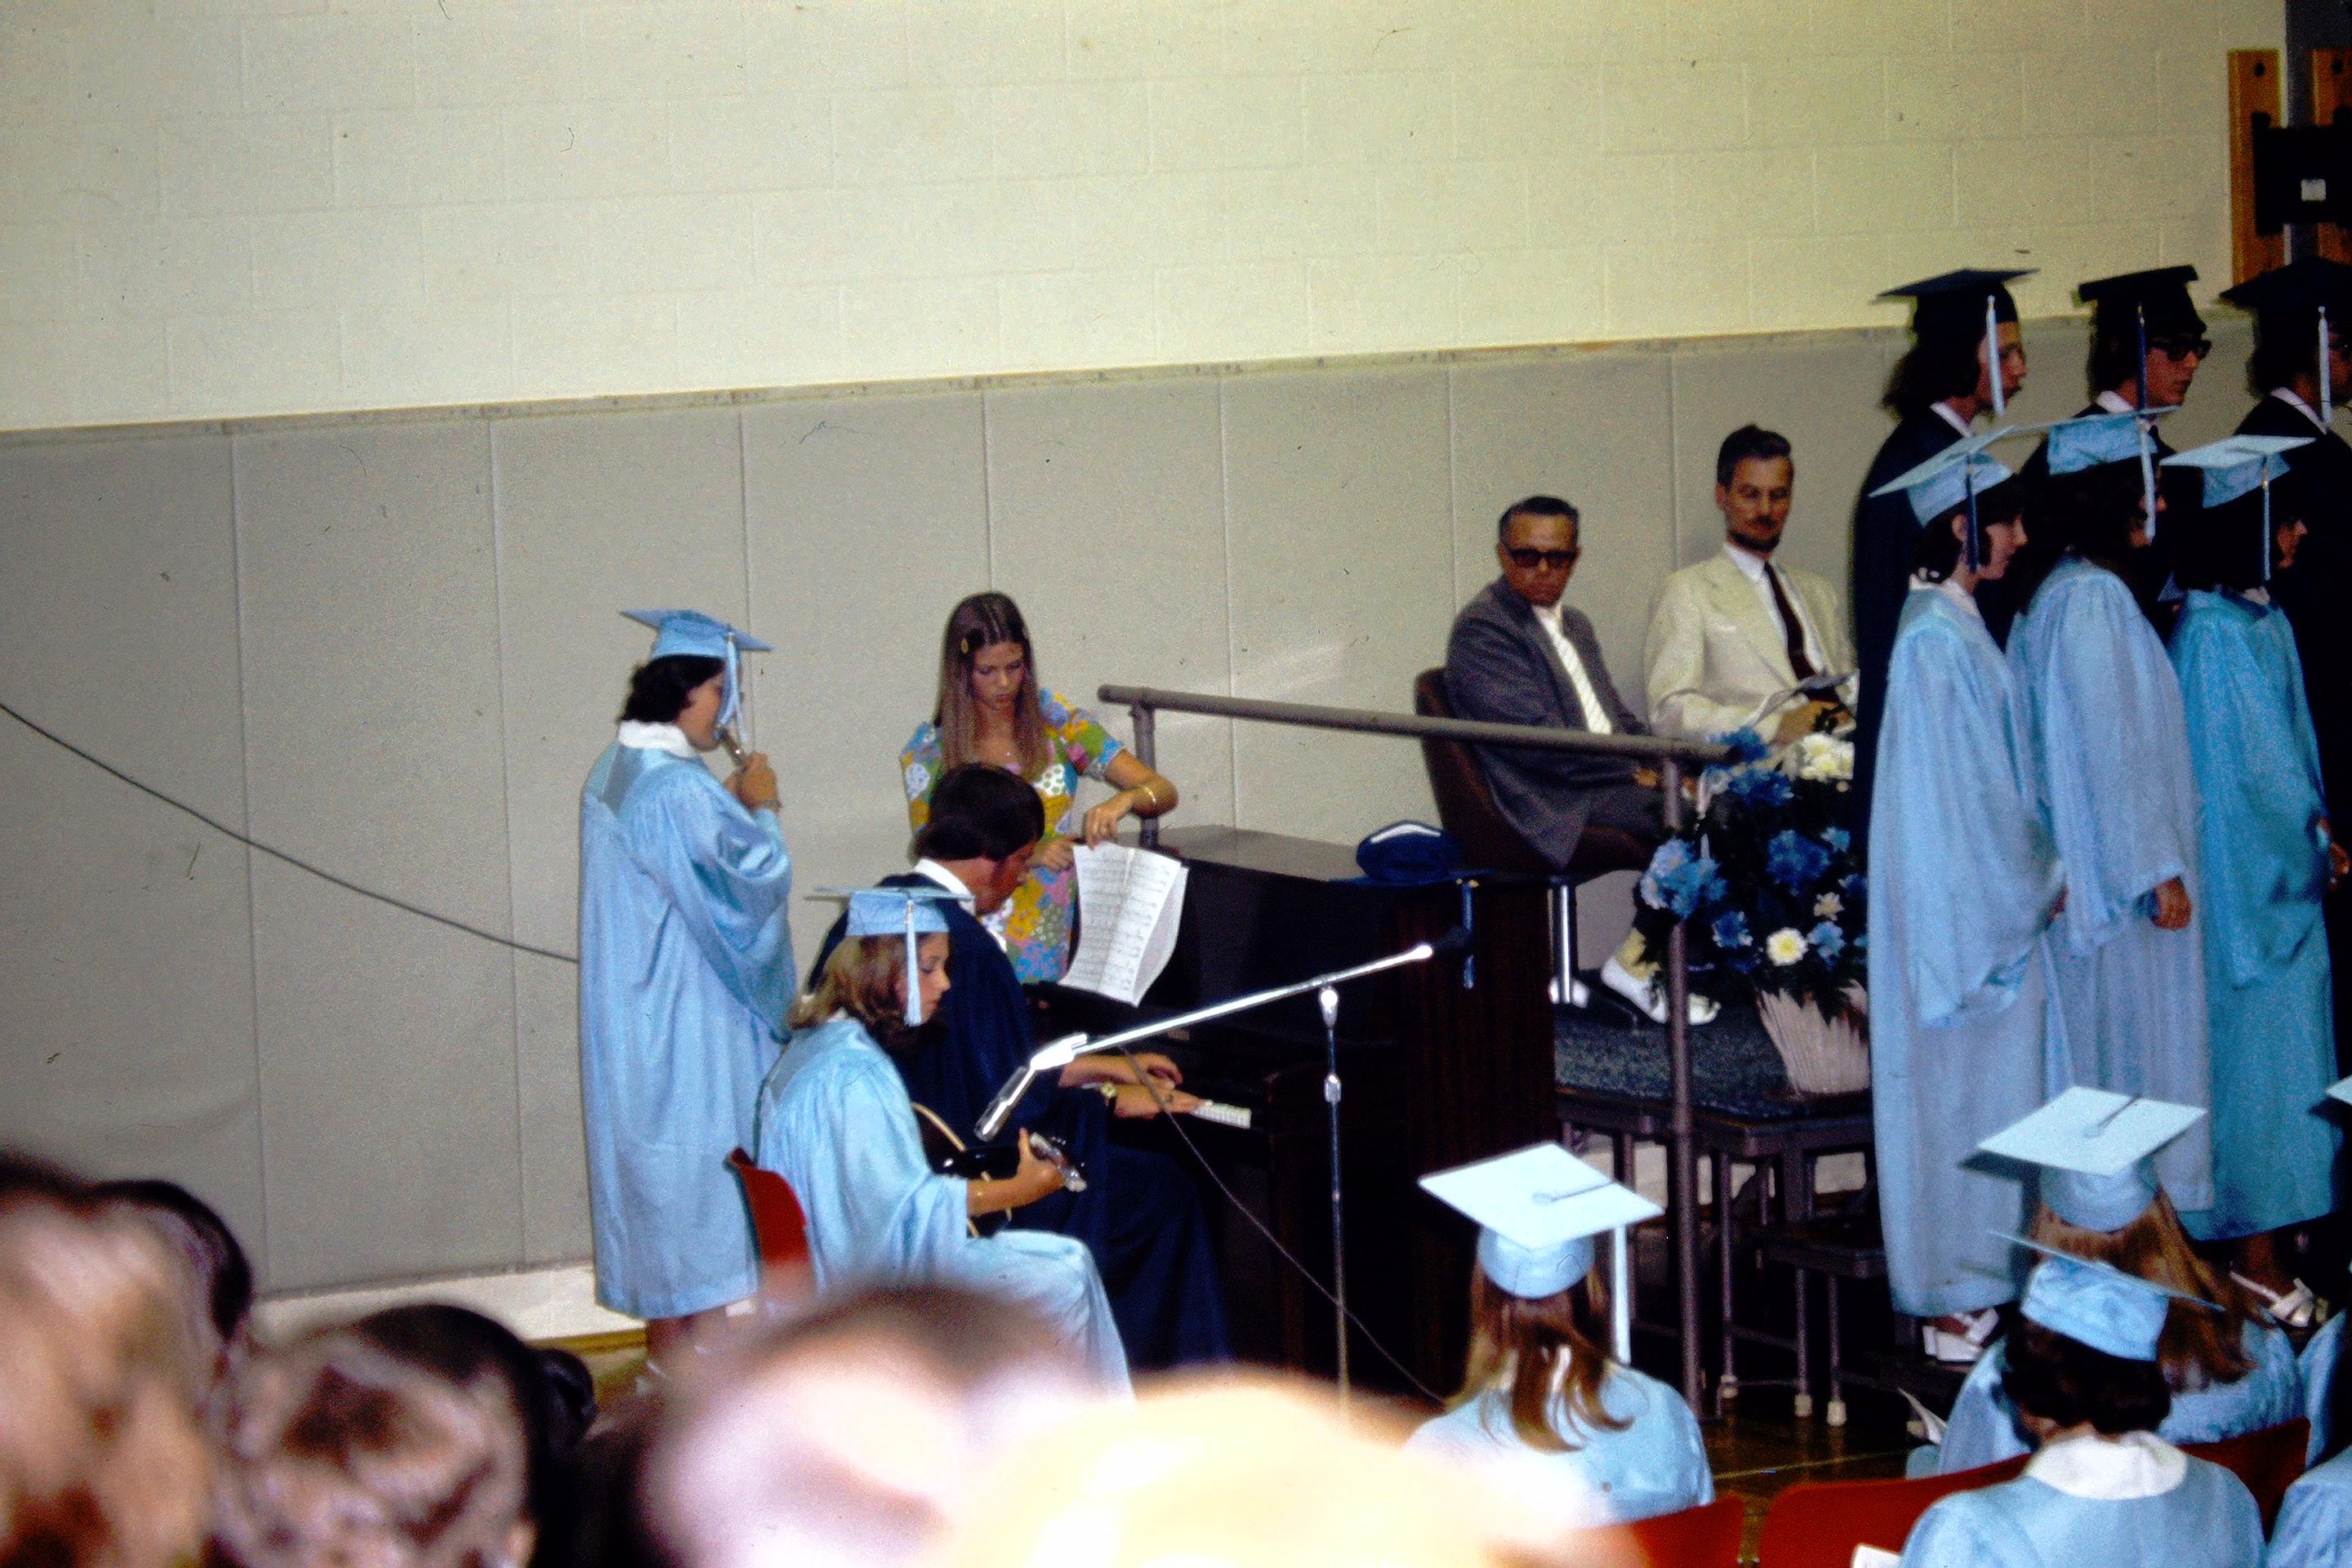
(1824, 1054)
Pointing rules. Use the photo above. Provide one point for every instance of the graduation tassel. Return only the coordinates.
(2140, 311)
(914, 972)
(2327, 391)
(2147, 477)
(1992, 356)
(1974, 537)
(2267, 535)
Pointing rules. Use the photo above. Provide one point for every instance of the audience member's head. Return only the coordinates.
(101, 1461)
(985, 820)
(2057, 1383)
(1755, 482)
(660, 687)
(854, 1435)
(1536, 543)
(219, 1297)
(1549, 1348)
(1244, 1475)
(397, 1442)
(2100, 513)
(985, 661)
(2199, 1348)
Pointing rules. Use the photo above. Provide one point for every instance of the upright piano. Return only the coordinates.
(1440, 1062)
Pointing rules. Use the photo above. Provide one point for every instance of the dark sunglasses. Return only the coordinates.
(2181, 348)
(1528, 560)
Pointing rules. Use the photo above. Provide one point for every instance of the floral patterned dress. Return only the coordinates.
(1034, 924)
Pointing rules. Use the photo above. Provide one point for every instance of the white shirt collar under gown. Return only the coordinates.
(657, 738)
(2115, 402)
(2114, 1469)
(1952, 417)
(2294, 399)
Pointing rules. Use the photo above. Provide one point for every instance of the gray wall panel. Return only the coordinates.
(1107, 522)
(1342, 582)
(126, 972)
(868, 519)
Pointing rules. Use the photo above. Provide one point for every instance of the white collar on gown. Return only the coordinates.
(1952, 417)
(2110, 1470)
(657, 738)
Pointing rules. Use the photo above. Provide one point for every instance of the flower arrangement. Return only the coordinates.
(1768, 878)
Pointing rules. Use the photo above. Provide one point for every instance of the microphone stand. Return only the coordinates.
(1056, 1054)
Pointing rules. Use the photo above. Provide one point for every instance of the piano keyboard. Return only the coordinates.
(1221, 1114)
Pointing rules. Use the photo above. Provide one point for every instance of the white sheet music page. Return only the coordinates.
(1129, 904)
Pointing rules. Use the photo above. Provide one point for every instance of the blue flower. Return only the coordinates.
(1670, 858)
(1730, 930)
(1794, 861)
(1744, 746)
(1827, 940)
(1679, 881)
(1760, 786)
(1838, 839)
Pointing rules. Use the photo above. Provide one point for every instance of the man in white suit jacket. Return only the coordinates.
(1734, 636)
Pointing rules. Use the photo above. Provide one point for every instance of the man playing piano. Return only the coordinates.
(1138, 1211)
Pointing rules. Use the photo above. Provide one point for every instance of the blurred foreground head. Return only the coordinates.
(1250, 1474)
(101, 1462)
(853, 1434)
(400, 1441)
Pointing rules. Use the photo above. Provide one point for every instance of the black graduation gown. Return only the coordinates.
(2315, 593)
(1886, 537)
(1138, 1215)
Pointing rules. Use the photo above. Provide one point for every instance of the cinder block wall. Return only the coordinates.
(247, 206)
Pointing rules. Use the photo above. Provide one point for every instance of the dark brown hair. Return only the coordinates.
(982, 621)
(2045, 1374)
(1554, 1344)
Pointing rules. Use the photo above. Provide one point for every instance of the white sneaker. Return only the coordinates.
(1579, 995)
(1650, 997)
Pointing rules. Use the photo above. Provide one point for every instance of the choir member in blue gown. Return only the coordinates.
(2268, 861)
(2228, 1372)
(1546, 1409)
(1963, 883)
(1139, 1214)
(2113, 778)
(835, 1124)
(686, 969)
(1966, 361)
(2318, 1359)
(2314, 1522)
(2102, 1487)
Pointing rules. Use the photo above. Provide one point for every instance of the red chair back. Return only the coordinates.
(1818, 1526)
(1704, 1537)
(2268, 1462)
(778, 1225)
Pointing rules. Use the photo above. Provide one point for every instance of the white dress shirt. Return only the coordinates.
(1753, 566)
(2289, 395)
(1952, 417)
(992, 922)
(1596, 715)
(2115, 402)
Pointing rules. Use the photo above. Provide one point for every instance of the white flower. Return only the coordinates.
(1785, 946)
(1829, 906)
(1821, 756)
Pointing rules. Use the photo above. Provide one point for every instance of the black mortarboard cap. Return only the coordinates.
(2304, 284)
(2159, 294)
(1952, 304)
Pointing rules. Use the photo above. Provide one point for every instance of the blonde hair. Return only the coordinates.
(1554, 1344)
(2199, 1348)
(101, 1461)
(982, 621)
(335, 1451)
(866, 979)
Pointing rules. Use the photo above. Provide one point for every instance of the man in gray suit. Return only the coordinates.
(1519, 656)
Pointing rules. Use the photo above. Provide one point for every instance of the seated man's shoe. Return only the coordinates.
(1649, 996)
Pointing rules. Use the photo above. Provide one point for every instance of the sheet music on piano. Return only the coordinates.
(1129, 904)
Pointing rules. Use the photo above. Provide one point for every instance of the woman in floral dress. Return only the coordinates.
(992, 710)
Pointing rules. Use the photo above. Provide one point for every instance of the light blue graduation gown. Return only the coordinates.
(1963, 880)
(2266, 960)
(2111, 777)
(2320, 1354)
(1982, 1427)
(1656, 1465)
(686, 967)
(2209, 1520)
(835, 1122)
(2314, 1522)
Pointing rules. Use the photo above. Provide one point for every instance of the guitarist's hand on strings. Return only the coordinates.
(1037, 1178)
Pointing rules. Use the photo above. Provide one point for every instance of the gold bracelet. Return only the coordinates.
(1150, 790)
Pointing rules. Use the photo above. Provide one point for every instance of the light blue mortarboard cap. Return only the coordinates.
(1946, 481)
(2096, 439)
(911, 912)
(2234, 464)
(1538, 1210)
(703, 636)
(2098, 1305)
(2093, 1146)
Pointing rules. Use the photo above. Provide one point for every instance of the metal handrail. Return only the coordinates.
(1144, 704)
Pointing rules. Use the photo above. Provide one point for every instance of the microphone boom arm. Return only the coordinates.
(1054, 1055)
